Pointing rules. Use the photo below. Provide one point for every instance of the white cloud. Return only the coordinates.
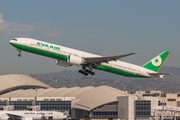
(4, 30)
(23, 28)
(1, 20)
(7, 29)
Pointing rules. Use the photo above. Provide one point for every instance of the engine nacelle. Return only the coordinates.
(27, 118)
(75, 60)
(62, 63)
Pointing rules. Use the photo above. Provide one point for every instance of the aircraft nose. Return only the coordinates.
(10, 41)
(13, 40)
(64, 115)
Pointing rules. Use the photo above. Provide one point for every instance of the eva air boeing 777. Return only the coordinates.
(67, 57)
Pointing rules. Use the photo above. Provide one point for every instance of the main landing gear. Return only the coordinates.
(19, 55)
(86, 71)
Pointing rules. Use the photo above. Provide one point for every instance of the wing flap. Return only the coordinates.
(98, 60)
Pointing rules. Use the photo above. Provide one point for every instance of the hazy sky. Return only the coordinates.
(104, 27)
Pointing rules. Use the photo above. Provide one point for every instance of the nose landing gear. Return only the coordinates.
(19, 55)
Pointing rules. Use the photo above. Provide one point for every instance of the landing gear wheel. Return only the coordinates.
(87, 70)
(19, 55)
(80, 71)
(83, 72)
(86, 74)
(92, 73)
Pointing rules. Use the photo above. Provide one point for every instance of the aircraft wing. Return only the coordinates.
(99, 60)
(13, 116)
(17, 117)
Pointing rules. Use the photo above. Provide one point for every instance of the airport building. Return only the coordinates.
(167, 99)
(89, 102)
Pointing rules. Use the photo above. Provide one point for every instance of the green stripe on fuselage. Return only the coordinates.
(65, 58)
(118, 71)
(121, 72)
(41, 52)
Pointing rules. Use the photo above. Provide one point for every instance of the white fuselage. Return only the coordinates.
(124, 66)
(33, 115)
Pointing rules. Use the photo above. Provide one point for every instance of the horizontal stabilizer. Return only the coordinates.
(160, 73)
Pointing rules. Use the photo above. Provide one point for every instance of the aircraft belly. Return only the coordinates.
(37, 118)
(119, 71)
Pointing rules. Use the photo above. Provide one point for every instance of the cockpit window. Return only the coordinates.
(15, 39)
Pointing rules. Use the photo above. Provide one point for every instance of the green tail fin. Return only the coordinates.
(156, 63)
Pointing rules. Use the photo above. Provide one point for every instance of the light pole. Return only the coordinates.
(162, 115)
(140, 92)
(155, 88)
(124, 90)
(36, 94)
(10, 96)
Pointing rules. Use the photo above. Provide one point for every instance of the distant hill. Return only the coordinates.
(170, 84)
(170, 69)
(105, 75)
(75, 74)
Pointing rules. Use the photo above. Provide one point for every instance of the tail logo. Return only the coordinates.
(156, 61)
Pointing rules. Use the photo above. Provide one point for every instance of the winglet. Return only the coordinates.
(156, 63)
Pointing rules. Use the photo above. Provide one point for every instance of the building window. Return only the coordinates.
(156, 94)
(163, 95)
(143, 108)
(161, 103)
(108, 111)
(171, 99)
(101, 114)
(2, 103)
(147, 91)
(55, 105)
(20, 105)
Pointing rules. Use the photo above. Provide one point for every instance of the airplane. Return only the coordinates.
(68, 57)
(31, 115)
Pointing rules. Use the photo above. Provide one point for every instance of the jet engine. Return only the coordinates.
(75, 60)
(62, 63)
(27, 118)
